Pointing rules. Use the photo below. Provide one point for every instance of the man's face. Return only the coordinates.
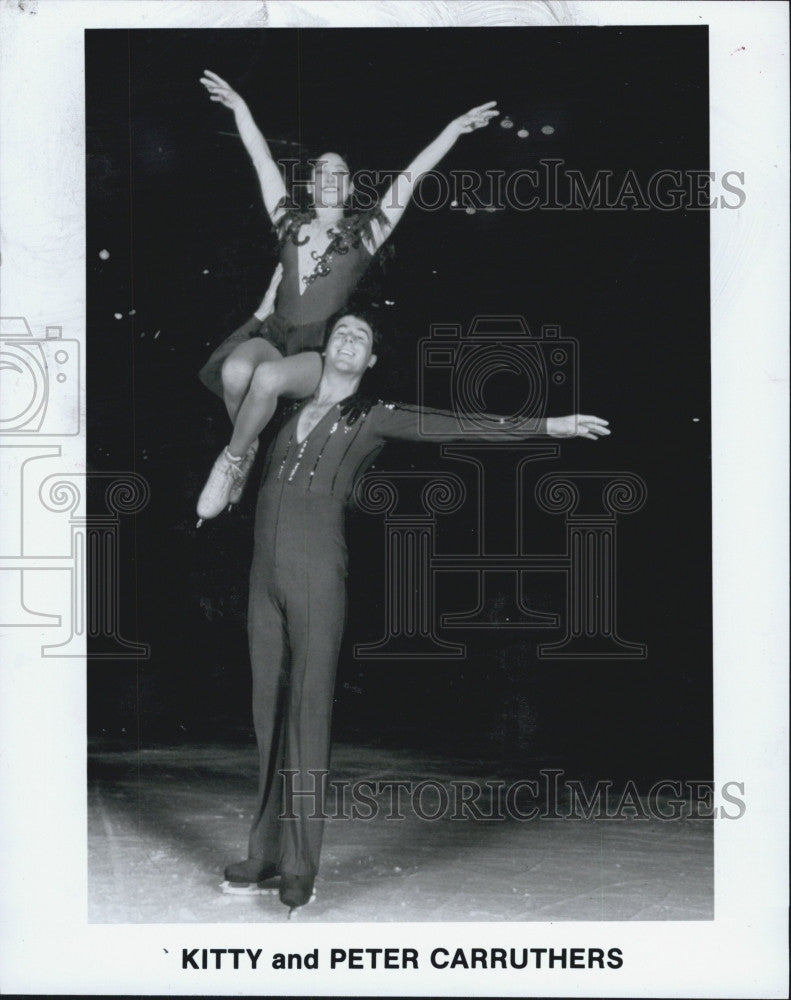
(350, 346)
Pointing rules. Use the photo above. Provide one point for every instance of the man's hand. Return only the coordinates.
(577, 425)
(268, 302)
(221, 91)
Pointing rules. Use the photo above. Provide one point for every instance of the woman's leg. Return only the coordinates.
(296, 376)
(238, 369)
(293, 377)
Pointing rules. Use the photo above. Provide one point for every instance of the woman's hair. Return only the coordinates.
(352, 230)
(355, 226)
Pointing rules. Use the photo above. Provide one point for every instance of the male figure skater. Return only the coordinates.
(298, 583)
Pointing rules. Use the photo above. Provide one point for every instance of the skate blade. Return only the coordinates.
(295, 909)
(250, 888)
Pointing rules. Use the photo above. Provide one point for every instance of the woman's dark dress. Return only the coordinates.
(299, 321)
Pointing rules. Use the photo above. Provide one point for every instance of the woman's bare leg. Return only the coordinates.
(251, 392)
(293, 377)
(238, 369)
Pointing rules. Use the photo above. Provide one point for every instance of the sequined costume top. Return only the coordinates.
(333, 276)
(344, 443)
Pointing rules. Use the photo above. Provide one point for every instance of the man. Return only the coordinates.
(298, 583)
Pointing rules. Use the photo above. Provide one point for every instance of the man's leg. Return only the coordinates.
(316, 619)
(268, 655)
(268, 658)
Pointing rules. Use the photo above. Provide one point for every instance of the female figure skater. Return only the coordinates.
(323, 254)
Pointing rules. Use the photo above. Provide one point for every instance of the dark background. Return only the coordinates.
(171, 195)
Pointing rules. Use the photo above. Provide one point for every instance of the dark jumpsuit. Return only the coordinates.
(299, 320)
(298, 598)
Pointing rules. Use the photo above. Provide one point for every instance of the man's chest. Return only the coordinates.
(310, 417)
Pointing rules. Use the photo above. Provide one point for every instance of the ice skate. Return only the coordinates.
(216, 493)
(251, 877)
(296, 891)
(238, 485)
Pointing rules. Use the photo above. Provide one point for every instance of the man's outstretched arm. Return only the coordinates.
(407, 422)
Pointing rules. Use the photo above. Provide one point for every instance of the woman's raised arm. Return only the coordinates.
(400, 192)
(273, 188)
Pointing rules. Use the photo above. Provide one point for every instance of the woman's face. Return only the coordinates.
(331, 182)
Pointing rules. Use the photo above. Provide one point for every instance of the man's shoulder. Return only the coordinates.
(289, 408)
(357, 407)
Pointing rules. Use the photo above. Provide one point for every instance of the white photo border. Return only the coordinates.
(46, 942)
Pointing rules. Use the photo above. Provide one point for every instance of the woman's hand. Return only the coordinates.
(402, 188)
(577, 425)
(475, 118)
(221, 91)
(272, 186)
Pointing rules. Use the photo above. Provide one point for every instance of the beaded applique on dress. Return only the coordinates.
(347, 235)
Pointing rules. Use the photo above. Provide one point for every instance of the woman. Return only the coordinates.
(323, 254)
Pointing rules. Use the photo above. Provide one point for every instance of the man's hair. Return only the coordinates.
(370, 314)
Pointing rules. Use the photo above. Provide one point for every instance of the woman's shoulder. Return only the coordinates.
(367, 229)
(289, 220)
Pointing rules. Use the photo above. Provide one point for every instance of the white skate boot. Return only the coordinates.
(237, 488)
(216, 493)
